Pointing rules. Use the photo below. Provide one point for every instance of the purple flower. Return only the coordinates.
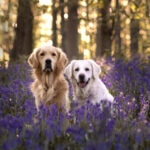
(123, 125)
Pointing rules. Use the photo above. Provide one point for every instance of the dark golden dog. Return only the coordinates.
(49, 86)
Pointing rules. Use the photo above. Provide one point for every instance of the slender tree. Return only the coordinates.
(134, 29)
(63, 25)
(54, 23)
(117, 30)
(147, 8)
(72, 29)
(104, 28)
(23, 33)
(134, 34)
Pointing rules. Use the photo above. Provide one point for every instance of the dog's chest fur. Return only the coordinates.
(81, 93)
(45, 87)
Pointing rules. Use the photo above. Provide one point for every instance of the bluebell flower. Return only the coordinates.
(84, 127)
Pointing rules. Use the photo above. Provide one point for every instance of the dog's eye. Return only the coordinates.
(42, 54)
(53, 54)
(87, 69)
(77, 69)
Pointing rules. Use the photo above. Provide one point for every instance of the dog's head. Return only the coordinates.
(48, 59)
(82, 71)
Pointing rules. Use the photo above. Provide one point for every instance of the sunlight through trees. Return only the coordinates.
(82, 28)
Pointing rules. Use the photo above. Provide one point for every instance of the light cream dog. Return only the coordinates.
(49, 86)
(84, 76)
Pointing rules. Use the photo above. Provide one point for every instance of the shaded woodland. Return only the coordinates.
(82, 28)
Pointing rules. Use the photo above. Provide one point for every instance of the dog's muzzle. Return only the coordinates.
(82, 83)
(48, 66)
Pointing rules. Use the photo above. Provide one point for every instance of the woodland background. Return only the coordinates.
(82, 28)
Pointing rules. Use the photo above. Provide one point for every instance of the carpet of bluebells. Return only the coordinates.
(123, 126)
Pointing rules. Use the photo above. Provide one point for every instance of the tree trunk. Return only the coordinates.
(63, 27)
(134, 28)
(147, 8)
(72, 30)
(134, 34)
(54, 24)
(23, 40)
(104, 30)
(117, 31)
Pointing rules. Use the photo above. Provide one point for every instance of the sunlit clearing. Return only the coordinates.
(86, 54)
(125, 2)
(1, 53)
(44, 2)
(66, 16)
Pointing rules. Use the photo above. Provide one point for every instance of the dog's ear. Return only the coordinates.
(96, 70)
(33, 60)
(69, 70)
(62, 60)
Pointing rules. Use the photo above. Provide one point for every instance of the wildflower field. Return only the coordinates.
(87, 127)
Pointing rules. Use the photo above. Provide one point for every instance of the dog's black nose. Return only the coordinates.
(48, 61)
(48, 66)
(81, 77)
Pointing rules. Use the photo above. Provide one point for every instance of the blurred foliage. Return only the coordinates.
(87, 28)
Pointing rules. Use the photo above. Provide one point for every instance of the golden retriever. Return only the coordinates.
(84, 76)
(49, 86)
